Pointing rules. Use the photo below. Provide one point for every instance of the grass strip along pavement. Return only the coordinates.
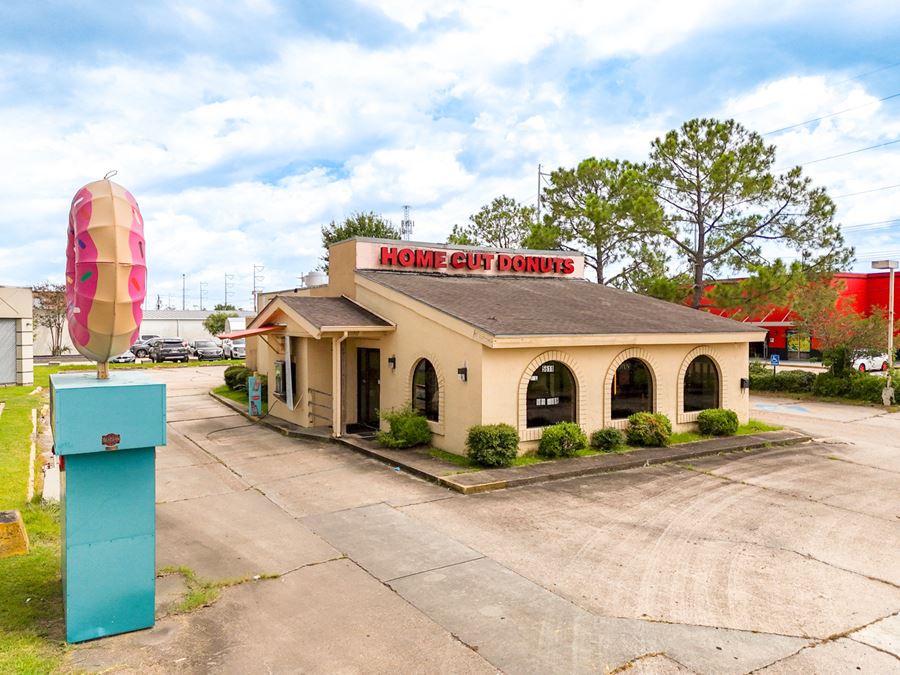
(31, 613)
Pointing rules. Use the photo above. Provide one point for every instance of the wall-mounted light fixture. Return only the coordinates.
(392, 362)
(463, 373)
(745, 383)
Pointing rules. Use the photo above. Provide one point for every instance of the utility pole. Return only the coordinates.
(183, 291)
(257, 281)
(541, 175)
(229, 282)
(203, 285)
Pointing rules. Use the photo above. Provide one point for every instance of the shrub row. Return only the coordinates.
(852, 385)
(496, 445)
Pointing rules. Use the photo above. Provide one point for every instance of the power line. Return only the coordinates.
(845, 154)
(865, 192)
(862, 226)
(834, 114)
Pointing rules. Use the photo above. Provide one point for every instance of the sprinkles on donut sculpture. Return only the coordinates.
(106, 271)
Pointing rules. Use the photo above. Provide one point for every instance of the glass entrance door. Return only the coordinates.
(368, 386)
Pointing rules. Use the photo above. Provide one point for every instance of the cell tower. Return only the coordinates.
(406, 225)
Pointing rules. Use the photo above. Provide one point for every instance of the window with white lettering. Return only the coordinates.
(551, 395)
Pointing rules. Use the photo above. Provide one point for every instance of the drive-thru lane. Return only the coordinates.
(782, 560)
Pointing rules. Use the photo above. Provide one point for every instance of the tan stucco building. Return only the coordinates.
(16, 335)
(478, 336)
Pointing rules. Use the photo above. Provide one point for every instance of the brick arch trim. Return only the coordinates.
(715, 357)
(436, 427)
(535, 433)
(622, 357)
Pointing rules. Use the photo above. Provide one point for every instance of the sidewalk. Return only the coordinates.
(419, 462)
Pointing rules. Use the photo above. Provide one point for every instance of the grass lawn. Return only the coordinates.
(46, 371)
(241, 397)
(31, 614)
(752, 427)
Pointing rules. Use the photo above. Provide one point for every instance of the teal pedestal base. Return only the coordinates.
(108, 495)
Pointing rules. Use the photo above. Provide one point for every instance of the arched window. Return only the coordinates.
(551, 395)
(701, 385)
(632, 389)
(425, 394)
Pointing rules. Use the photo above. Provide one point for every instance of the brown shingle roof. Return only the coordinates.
(544, 306)
(327, 312)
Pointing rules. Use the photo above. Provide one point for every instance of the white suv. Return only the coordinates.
(234, 349)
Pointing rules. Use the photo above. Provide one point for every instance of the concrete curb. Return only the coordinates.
(498, 479)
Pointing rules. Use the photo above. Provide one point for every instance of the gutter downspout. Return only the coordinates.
(337, 396)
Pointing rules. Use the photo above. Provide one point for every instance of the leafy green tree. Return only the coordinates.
(723, 202)
(504, 223)
(215, 322)
(606, 209)
(356, 225)
(223, 307)
(50, 312)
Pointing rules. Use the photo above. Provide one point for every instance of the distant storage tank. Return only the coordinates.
(316, 278)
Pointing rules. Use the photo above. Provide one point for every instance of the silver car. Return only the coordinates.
(234, 349)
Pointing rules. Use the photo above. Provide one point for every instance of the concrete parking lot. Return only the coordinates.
(780, 561)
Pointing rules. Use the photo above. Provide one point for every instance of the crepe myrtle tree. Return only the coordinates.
(724, 202)
(607, 210)
(50, 312)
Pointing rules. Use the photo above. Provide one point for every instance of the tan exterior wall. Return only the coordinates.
(507, 371)
(417, 337)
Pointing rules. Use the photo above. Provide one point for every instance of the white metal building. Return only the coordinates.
(16, 332)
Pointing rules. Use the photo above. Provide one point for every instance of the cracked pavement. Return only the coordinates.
(778, 561)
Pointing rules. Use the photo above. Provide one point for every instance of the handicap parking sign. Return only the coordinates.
(775, 359)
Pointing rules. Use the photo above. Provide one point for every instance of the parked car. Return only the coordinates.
(877, 362)
(141, 348)
(234, 349)
(126, 357)
(205, 349)
(169, 349)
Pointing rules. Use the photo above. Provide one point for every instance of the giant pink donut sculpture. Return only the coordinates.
(106, 270)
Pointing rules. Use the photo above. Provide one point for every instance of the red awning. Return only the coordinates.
(249, 331)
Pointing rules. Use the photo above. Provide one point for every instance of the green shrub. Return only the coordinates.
(407, 428)
(828, 384)
(562, 439)
(793, 381)
(492, 444)
(718, 422)
(866, 387)
(608, 439)
(648, 429)
(236, 377)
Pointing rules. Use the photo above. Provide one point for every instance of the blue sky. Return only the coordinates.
(243, 127)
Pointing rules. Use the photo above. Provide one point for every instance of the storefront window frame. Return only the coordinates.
(717, 402)
(431, 409)
(531, 409)
(615, 385)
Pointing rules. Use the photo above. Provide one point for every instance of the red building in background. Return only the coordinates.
(865, 292)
